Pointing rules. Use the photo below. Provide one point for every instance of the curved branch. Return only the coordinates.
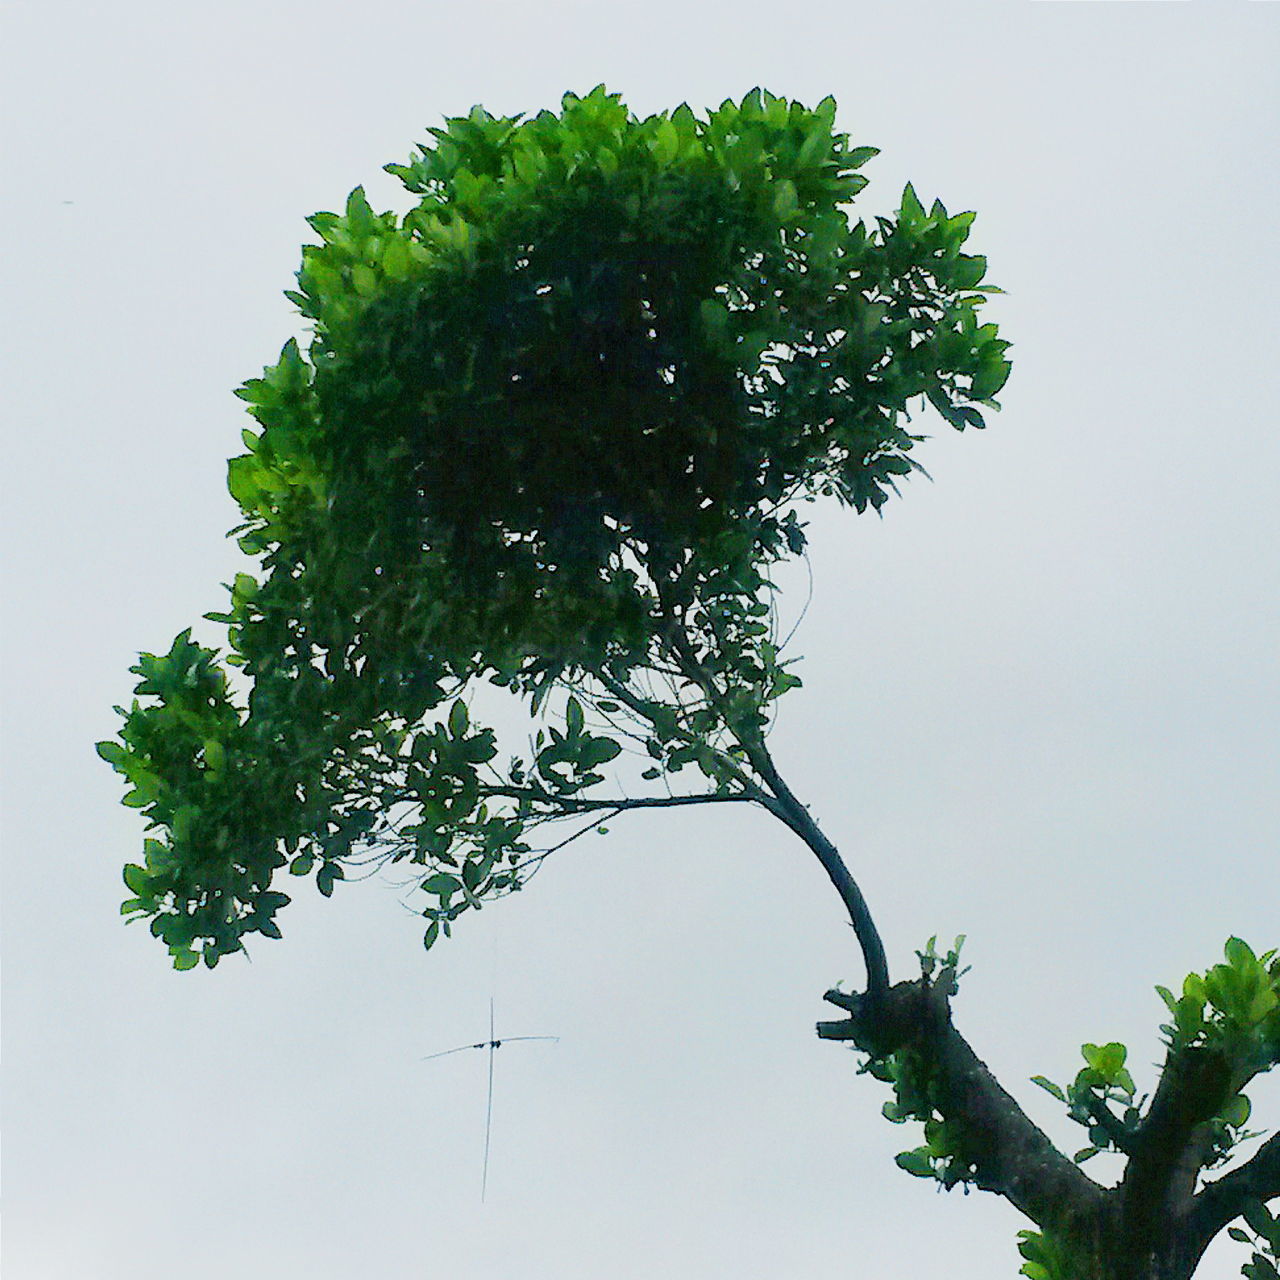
(785, 806)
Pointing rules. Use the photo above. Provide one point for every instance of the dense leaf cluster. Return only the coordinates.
(549, 433)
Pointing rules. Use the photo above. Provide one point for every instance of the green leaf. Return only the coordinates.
(136, 878)
(1240, 955)
(918, 1163)
(327, 876)
(1052, 1088)
(1236, 1112)
(785, 200)
(1256, 1214)
(395, 258)
(666, 142)
(442, 884)
(459, 720)
(911, 210)
(596, 751)
(989, 379)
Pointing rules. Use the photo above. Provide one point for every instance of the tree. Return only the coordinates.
(552, 434)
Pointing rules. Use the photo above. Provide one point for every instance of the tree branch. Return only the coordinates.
(571, 805)
(1010, 1155)
(784, 805)
(1160, 1177)
(1222, 1201)
(798, 818)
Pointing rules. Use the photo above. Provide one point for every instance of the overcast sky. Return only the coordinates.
(1041, 694)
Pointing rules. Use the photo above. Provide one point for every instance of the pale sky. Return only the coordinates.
(1041, 698)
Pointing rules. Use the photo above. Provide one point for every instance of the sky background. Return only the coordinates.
(1041, 694)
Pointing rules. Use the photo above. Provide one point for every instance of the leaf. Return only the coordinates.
(327, 876)
(1240, 955)
(918, 1163)
(395, 258)
(666, 143)
(991, 376)
(442, 884)
(911, 210)
(1256, 1214)
(459, 720)
(1050, 1087)
(1236, 1112)
(136, 878)
(785, 200)
(112, 752)
(596, 751)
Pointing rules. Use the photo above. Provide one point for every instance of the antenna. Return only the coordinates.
(491, 1044)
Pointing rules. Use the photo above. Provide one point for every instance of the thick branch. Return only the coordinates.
(1164, 1156)
(1011, 1156)
(1223, 1200)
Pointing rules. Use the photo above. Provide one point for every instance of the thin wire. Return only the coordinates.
(484, 1044)
(488, 1110)
(491, 1044)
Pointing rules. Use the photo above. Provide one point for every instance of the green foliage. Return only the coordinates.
(549, 434)
(1234, 1006)
(1233, 1010)
(1102, 1083)
(1045, 1257)
(1262, 1232)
